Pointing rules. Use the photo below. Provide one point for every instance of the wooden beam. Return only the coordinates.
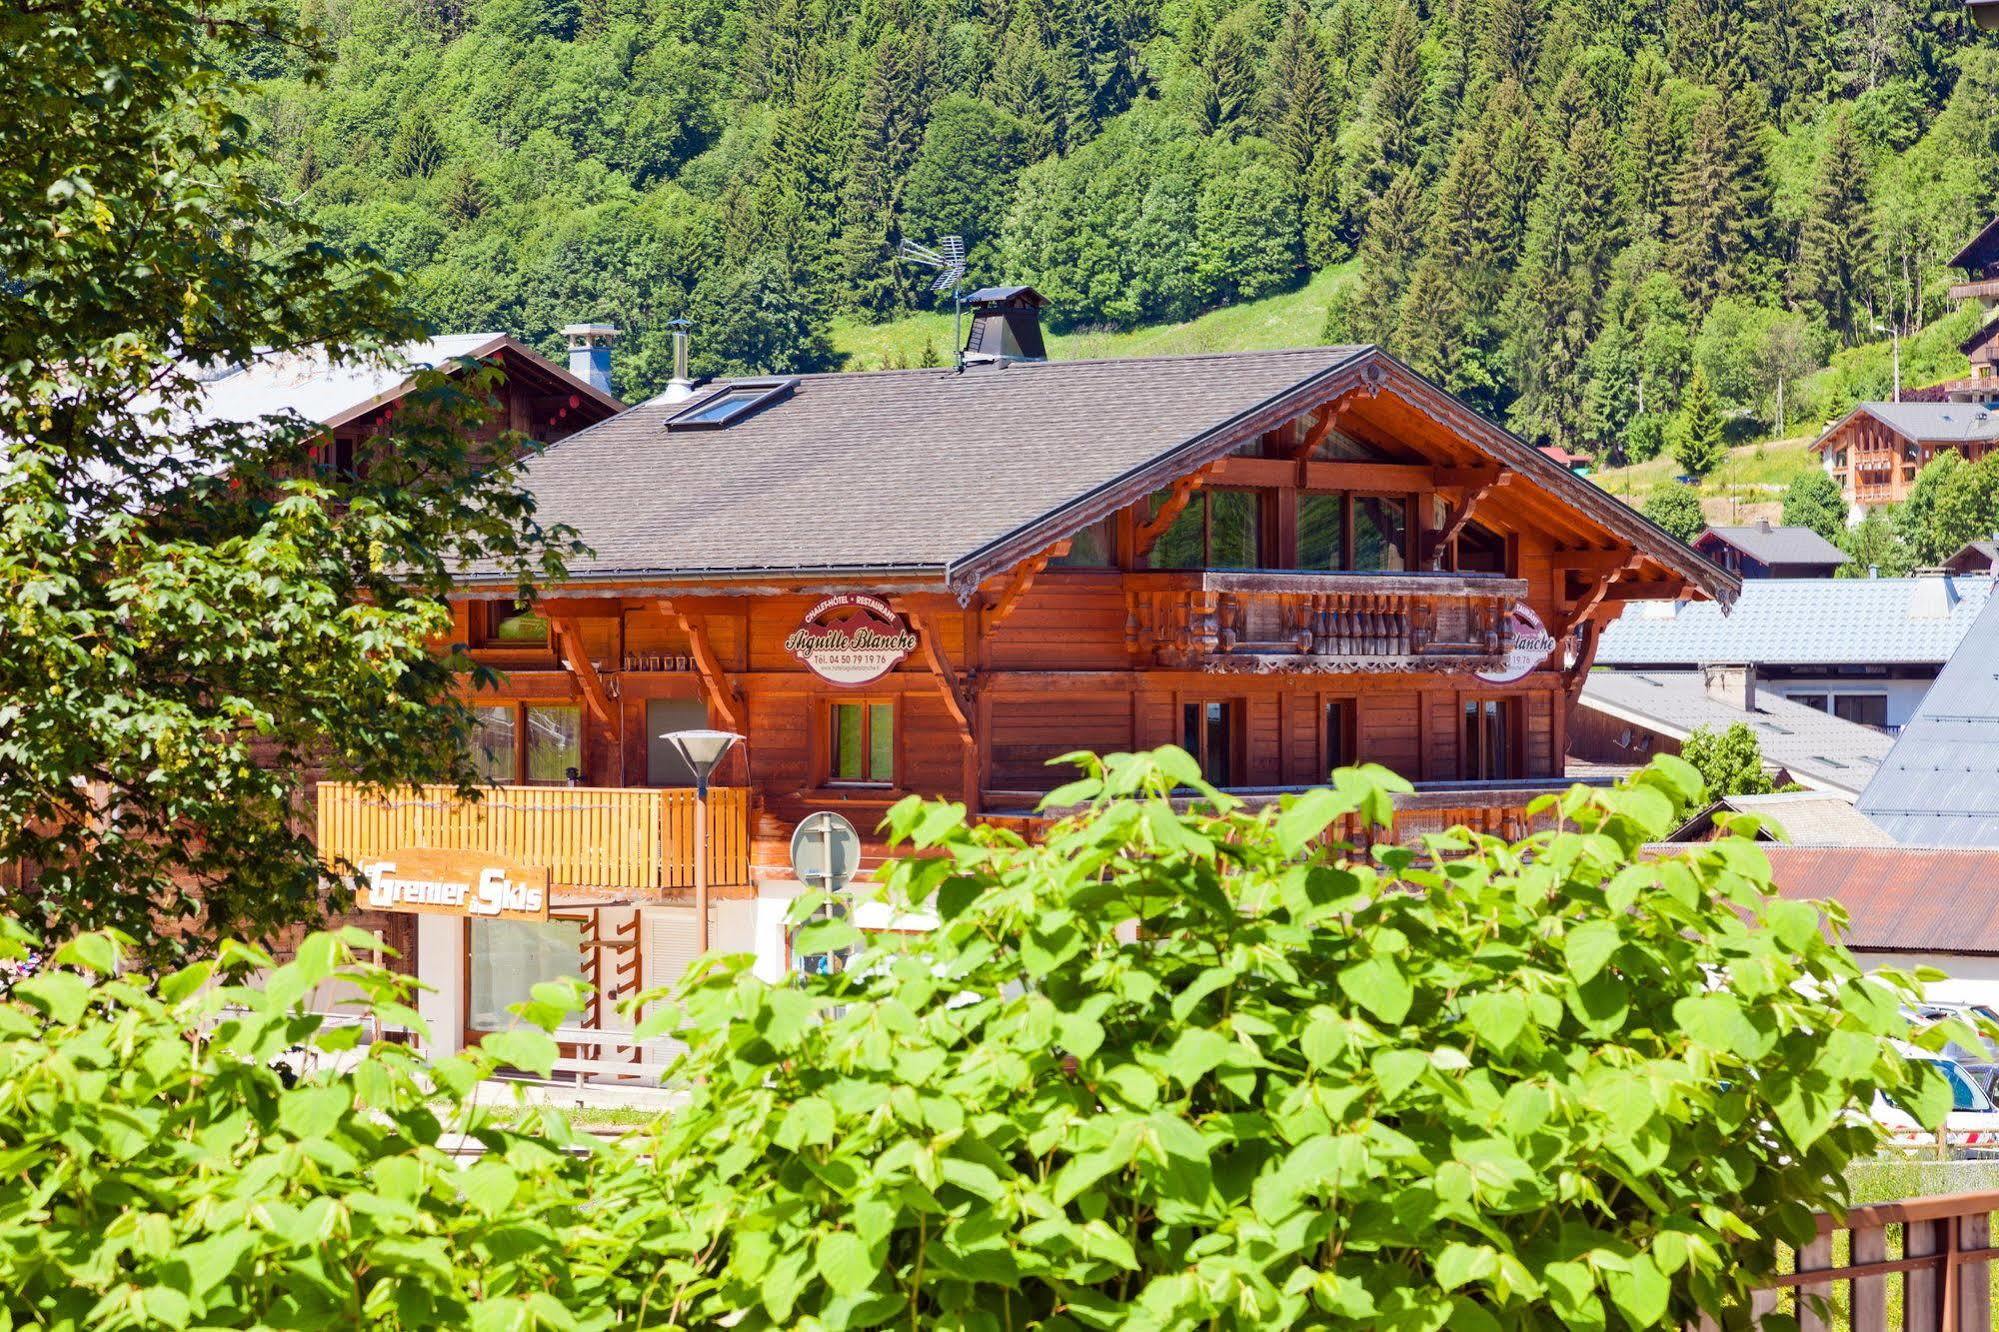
(940, 670)
(1151, 529)
(714, 680)
(1436, 543)
(1595, 596)
(1657, 589)
(1590, 635)
(1023, 579)
(1315, 434)
(569, 639)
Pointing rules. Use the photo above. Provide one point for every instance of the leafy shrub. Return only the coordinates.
(1168, 1068)
(1677, 509)
(1183, 1068)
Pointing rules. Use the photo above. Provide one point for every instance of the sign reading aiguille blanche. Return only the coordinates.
(455, 883)
(851, 639)
(1532, 645)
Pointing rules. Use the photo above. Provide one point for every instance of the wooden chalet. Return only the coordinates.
(936, 581)
(1875, 451)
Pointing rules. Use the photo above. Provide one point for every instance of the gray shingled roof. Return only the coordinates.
(1778, 545)
(1803, 818)
(1946, 422)
(1804, 622)
(1939, 786)
(1818, 749)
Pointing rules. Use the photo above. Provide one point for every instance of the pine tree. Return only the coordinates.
(1388, 255)
(1720, 218)
(1610, 403)
(1395, 101)
(1297, 104)
(1698, 449)
(1836, 244)
(1650, 160)
(1230, 69)
(1512, 39)
(888, 132)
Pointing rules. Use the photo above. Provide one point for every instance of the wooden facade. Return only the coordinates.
(1874, 463)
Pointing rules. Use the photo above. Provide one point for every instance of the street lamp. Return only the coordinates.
(702, 751)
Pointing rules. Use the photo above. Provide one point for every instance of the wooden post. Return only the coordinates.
(1870, 1294)
(1923, 1288)
(701, 868)
(1815, 1257)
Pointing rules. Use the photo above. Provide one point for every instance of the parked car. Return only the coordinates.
(1973, 1120)
(1980, 1061)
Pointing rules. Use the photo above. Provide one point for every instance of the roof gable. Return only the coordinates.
(1775, 545)
(1939, 785)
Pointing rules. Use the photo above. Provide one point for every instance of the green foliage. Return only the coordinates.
(1676, 508)
(1813, 500)
(1173, 1067)
(1698, 447)
(191, 612)
(1917, 520)
(1729, 760)
(1873, 547)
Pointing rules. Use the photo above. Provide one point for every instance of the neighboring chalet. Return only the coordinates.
(537, 397)
(1974, 557)
(1980, 261)
(1797, 818)
(1627, 717)
(1863, 649)
(1875, 451)
(938, 581)
(1763, 551)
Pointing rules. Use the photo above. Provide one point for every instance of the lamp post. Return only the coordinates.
(702, 751)
(1895, 340)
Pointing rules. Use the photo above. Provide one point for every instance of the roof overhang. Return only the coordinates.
(499, 345)
(1673, 731)
(1864, 409)
(1981, 249)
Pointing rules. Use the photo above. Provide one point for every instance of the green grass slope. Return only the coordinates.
(1291, 319)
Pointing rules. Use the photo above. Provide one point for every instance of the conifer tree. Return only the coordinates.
(1388, 254)
(1720, 217)
(1298, 117)
(1698, 448)
(1650, 160)
(1395, 101)
(1512, 39)
(1610, 402)
(1230, 68)
(888, 131)
(1872, 546)
(1836, 243)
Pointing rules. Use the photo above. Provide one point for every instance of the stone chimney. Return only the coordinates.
(1731, 684)
(590, 353)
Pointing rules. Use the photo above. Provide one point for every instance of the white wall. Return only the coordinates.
(1974, 978)
(440, 965)
(1903, 695)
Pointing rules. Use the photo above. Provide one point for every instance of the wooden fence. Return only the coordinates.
(612, 838)
(1929, 1260)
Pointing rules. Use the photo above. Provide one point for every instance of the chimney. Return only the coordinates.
(1934, 595)
(1006, 326)
(680, 388)
(1731, 684)
(590, 353)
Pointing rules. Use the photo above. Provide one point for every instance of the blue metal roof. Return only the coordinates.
(1939, 785)
(1804, 622)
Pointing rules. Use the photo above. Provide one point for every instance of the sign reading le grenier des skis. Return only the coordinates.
(851, 639)
(455, 883)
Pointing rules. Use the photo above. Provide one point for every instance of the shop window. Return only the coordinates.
(1866, 709)
(1361, 533)
(1208, 732)
(1489, 728)
(1090, 548)
(543, 741)
(1219, 529)
(508, 958)
(861, 738)
(1341, 733)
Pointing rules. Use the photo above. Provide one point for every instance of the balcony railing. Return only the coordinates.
(1256, 621)
(634, 840)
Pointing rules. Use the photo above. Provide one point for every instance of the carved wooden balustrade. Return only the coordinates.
(1269, 621)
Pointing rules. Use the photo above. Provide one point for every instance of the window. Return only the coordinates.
(1819, 701)
(542, 740)
(664, 765)
(1480, 550)
(1488, 739)
(1341, 750)
(1866, 709)
(1365, 533)
(862, 743)
(1090, 548)
(509, 958)
(1207, 731)
(730, 404)
(1218, 529)
(508, 625)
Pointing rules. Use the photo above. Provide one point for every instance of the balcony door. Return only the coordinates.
(664, 766)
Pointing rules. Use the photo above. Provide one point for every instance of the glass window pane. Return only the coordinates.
(510, 957)
(1181, 545)
(881, 742)
(1215, 762)
(1232, 529)
(493, 743)
(1867, 709)
(555, 742)
(1190, 729)
(1339, 734)
(849, 752)
(1379, 533)
(1321, 522)
(512, 628)
(1088, 549)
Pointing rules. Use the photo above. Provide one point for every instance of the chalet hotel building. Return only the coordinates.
(937, 580)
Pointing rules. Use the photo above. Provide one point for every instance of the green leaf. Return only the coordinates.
(527, 1048)
(60, 994)
(1640, 1291)
(1461, 1264)
(1306, 816)
(1589, 946)
(1497, 1017)
(842, 1258)
(1379, 986)
(91, 952)
(314, 1112)
(489, 1186)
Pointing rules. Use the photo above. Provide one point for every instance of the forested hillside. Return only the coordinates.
(1559, 208)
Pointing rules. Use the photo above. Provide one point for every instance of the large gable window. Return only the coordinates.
(1361, 533)
(1219, 529)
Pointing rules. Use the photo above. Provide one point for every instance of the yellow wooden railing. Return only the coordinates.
(621, 838)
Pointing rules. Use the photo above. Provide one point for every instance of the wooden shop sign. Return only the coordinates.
(851, 639)
(455, 883)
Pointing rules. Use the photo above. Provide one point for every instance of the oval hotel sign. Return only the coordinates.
(851, 639)
(1532, 645)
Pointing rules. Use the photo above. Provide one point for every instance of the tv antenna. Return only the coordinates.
(949, 261)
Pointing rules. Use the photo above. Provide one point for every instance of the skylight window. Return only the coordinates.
(728, 405)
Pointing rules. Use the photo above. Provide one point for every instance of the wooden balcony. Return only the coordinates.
(636, 841)
(1261, 622)
(1979, 289)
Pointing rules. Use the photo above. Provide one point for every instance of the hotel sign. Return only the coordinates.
(851, 639)
(1532, 644)
(455, 883)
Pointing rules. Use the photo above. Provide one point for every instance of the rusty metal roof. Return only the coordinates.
(1900, 898)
